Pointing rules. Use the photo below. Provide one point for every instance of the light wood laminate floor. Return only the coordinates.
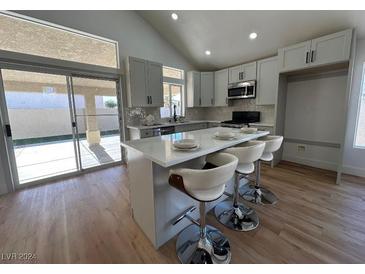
(87, 220)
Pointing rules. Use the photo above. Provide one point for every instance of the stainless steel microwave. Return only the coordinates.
(242, 90)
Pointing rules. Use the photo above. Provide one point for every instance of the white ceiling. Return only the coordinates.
(225, 33)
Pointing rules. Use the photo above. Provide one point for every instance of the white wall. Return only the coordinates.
(354, 158)
(315, 113)
(35, 123)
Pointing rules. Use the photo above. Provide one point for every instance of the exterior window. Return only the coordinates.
(360, 131)
(173, 73)
(173, 90)
(30, 36)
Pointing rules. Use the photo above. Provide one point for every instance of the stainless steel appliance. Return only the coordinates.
(242, 118)
(242, 90)
(167, 130)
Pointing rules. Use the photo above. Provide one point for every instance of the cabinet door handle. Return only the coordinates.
(200, 101)
(148, 100)
(241, 76)
(312, 56)
(307, 57)
(212, 101)
(151, 100)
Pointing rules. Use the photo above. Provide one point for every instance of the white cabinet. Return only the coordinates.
(137, 82)
(235, 73)
(144, 83)
(221, 87)
(249, 71)
(193, 89)
(200, 89)
(154, 84)
(267, 81)
(207, 89)
(294, 57)
(243, 72)
(190, 127)
(329, 49)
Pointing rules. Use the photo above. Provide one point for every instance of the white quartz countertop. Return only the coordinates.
(139, 127)
(159, 149)
(262, 124)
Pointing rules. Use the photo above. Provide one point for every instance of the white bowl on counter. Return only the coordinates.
(248, 130)
(185, 144)
(225, 135)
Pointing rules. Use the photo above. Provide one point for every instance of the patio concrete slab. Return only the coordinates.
(41, 161)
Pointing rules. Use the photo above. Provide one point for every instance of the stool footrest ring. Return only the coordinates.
(185, 214)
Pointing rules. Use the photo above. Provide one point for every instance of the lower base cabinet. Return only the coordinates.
(135, 133)
(190, 127)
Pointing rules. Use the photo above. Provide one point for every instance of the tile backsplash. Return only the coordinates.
(225, 113)
(134, 116)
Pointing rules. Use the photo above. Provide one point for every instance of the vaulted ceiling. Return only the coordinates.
(225, 33)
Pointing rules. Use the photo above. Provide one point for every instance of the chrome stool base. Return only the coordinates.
(257, 195)
(240, 218)
(192, 249)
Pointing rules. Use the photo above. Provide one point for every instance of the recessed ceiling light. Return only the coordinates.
(207, 52)
(174, 16)
(253, 35)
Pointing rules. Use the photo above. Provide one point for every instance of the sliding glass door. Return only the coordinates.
(38, 109)
(97, 121)
(58, 124)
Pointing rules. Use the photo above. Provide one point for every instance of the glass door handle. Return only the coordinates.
(8, 131)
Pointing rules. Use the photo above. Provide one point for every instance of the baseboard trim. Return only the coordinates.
(353, 171)
(310, 162)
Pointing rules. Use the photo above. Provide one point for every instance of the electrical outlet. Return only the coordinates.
(301, 148)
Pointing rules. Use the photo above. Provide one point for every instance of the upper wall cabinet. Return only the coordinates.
(221, 88)
(207, 89)
(144, 83)
(136, 82)
(243, 72)
(267, 81)
(200, 89)
(329, 49)
(193, 89)
(294, 57)
(155, 84)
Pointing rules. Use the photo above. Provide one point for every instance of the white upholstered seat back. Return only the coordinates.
(247, 152)
(272, 144)
(208, 184)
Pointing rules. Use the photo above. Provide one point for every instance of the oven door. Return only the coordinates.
(236, 93)
(251, 92)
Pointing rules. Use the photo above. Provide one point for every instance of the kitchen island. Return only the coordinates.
(154, 202)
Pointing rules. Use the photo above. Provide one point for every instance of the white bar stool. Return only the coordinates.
(199, 243)
(255, 193)
(230, 213)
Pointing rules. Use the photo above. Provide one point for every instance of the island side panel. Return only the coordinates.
(141, 192)
(170, 202)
